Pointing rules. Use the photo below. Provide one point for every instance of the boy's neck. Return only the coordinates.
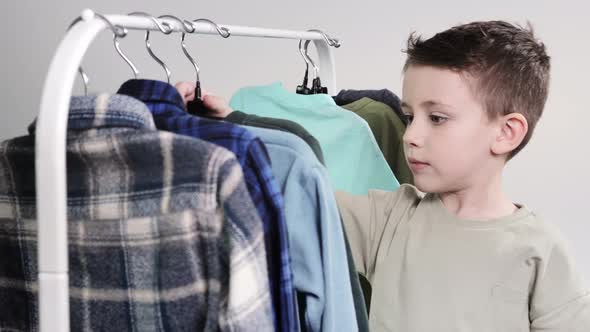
(484, 201)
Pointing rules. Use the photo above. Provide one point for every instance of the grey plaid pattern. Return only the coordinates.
(163, 235)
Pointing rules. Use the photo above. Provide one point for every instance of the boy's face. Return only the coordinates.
(448, 141)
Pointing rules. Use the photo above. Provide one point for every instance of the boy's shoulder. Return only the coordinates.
(397, 204)
(530, 223)
(405, 193)
(544, 233)
(525, 224)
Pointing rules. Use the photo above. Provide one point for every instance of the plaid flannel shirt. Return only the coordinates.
(163, 235)
(169, 114)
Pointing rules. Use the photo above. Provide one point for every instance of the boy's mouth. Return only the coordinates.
(417, 165)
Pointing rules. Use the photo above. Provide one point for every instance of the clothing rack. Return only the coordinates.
(50, 144)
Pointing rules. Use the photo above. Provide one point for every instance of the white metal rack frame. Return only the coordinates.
(50, 146)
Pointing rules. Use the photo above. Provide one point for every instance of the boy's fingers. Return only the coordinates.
(186, 91)
(217, 104)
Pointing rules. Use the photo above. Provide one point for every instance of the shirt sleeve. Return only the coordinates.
(244, 308)
(560, 301)
(371, 220)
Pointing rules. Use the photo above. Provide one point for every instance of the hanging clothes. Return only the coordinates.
(169, 113)
(353, 158)
(151, 245)
(388, 130)
(384, 96)
(252, 120)
(315, 234)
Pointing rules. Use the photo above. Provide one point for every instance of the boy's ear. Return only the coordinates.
(513, 129)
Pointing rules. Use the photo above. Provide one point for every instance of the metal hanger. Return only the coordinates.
(331, 41)
(118, 32)
(188, 28)
(303, 89)
(223, 32)
(166, 29)
(196, 106)
(316, 85)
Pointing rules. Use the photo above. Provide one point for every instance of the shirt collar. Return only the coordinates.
(106, 111)
(152, 91)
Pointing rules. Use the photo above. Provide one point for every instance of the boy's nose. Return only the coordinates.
(412, 136)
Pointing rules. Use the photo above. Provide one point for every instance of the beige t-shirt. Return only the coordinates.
(433, 272)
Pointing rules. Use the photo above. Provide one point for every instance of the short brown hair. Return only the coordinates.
(510, 66)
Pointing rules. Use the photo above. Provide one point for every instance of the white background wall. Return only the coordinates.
(552, 175)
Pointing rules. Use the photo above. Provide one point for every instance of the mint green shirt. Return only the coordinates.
(353, 158)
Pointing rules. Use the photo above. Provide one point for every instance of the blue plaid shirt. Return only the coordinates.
(169, 114)
(163, 235)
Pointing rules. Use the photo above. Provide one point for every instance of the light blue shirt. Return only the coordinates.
(353, 158)
(316, 237)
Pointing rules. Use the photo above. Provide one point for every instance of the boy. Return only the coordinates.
(463, 257)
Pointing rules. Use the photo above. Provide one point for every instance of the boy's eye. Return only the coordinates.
(437, 119)
(408, 118)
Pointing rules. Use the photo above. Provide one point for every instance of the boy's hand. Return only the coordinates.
(186, 90)
(216, 105)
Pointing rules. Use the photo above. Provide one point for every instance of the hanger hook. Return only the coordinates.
(116, 29)
(222, 31)
(192, 60)
(118, 32)
(316, 69)
(122, 55)
(166, 29)
(188, 27)
(303, 53)
(307, 61)
(84, 79)
(331, 41)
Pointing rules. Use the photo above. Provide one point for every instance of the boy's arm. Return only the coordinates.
(370, 220)
(560, 299)
(355, 212)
